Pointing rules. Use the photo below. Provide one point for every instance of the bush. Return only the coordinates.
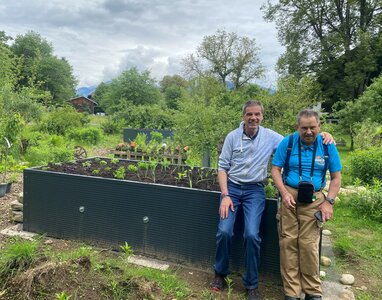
(87, 135)
(368, 203)
(62, 120)
(49, 148)
(111, 126)
(366, 165)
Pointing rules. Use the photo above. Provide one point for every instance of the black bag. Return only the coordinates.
(305, 192)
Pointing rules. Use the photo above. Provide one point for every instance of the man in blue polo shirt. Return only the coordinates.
(303, 204)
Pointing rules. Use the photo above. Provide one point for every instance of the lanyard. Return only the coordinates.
(299, 159)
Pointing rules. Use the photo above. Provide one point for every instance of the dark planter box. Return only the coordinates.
(166, 222)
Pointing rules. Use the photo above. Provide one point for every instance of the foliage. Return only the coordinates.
(226, 56)
(126, 249)
(366, 164)
(41, 69)
(173, 88)
(206, 116)
(86, 135)
(339, 41)
(368, 203)
(44, 148)
(111, 125)
(18, 255)
(61, 120)
(131, 88)
(145, 116)
(293, 94)
(368, 135)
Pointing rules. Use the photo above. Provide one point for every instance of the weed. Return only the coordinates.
(229, 282)
(62, 296)
(126, 249)
(18, 256)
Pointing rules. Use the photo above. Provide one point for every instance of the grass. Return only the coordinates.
(358, 248)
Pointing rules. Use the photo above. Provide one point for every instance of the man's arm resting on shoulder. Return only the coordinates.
(287, 198)
(226, 202)
(334, 187)
(327, 138)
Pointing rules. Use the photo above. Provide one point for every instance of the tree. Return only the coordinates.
(173, 87)
(41, 69)
(337, 41)
(131, 87)
(352, 113)
(226, 56)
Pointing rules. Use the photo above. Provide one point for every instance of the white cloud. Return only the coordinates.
(101, 38)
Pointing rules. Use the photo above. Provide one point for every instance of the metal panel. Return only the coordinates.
(170, 223)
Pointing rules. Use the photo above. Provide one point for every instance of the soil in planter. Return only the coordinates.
(176, 175)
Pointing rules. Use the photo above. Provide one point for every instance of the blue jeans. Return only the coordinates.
(252, 198)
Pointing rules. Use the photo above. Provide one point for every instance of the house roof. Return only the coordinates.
(79, 97)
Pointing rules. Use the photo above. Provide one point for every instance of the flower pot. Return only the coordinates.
(3, 189)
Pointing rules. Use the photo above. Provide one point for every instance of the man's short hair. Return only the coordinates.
(308, 113)
(253, 103)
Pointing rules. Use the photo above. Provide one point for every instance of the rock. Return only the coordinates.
(17, 216)
(346, 295)
(347, 279)
(322, 274)
(325, 261)
(361, 288)
(48, 242)
(326, 232)
(16, 206)
(20, 197)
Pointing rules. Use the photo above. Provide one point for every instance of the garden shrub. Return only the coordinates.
(87, 135)
(111, 126)
(62, 120)
(366, 165)
(49, 148)
(368, 203)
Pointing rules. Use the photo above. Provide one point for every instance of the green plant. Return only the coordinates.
(132, 168)
(126, 249)
(114, 161)
(87, 135)
(120, 173)
(229, 282)
(96, 171)
(87, 164)
(62, 296)
(366, 164)
(18, 255)
(270, 190)
(103, 163)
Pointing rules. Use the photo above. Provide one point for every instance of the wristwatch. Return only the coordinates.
(225, 195)
(330, 200)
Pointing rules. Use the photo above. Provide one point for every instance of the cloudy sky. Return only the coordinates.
(101, 38)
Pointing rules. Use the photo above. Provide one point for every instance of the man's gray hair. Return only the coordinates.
(308, 113)
(253, 103)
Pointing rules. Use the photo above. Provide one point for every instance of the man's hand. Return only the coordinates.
(225, 205)
(288, 200)
(328, 138)
(327, 211)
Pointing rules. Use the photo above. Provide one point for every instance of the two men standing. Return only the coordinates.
(242, 171)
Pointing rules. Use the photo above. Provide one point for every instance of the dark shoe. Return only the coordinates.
(253, 294)
(313, 297)
(291, 298)
(218, 283)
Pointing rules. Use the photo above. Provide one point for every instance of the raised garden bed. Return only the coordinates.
(166, 219)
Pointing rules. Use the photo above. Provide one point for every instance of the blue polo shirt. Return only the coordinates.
(293, 178)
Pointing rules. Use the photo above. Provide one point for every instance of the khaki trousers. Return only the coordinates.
(299, 237)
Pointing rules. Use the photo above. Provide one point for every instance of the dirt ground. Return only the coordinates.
(198, 280)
